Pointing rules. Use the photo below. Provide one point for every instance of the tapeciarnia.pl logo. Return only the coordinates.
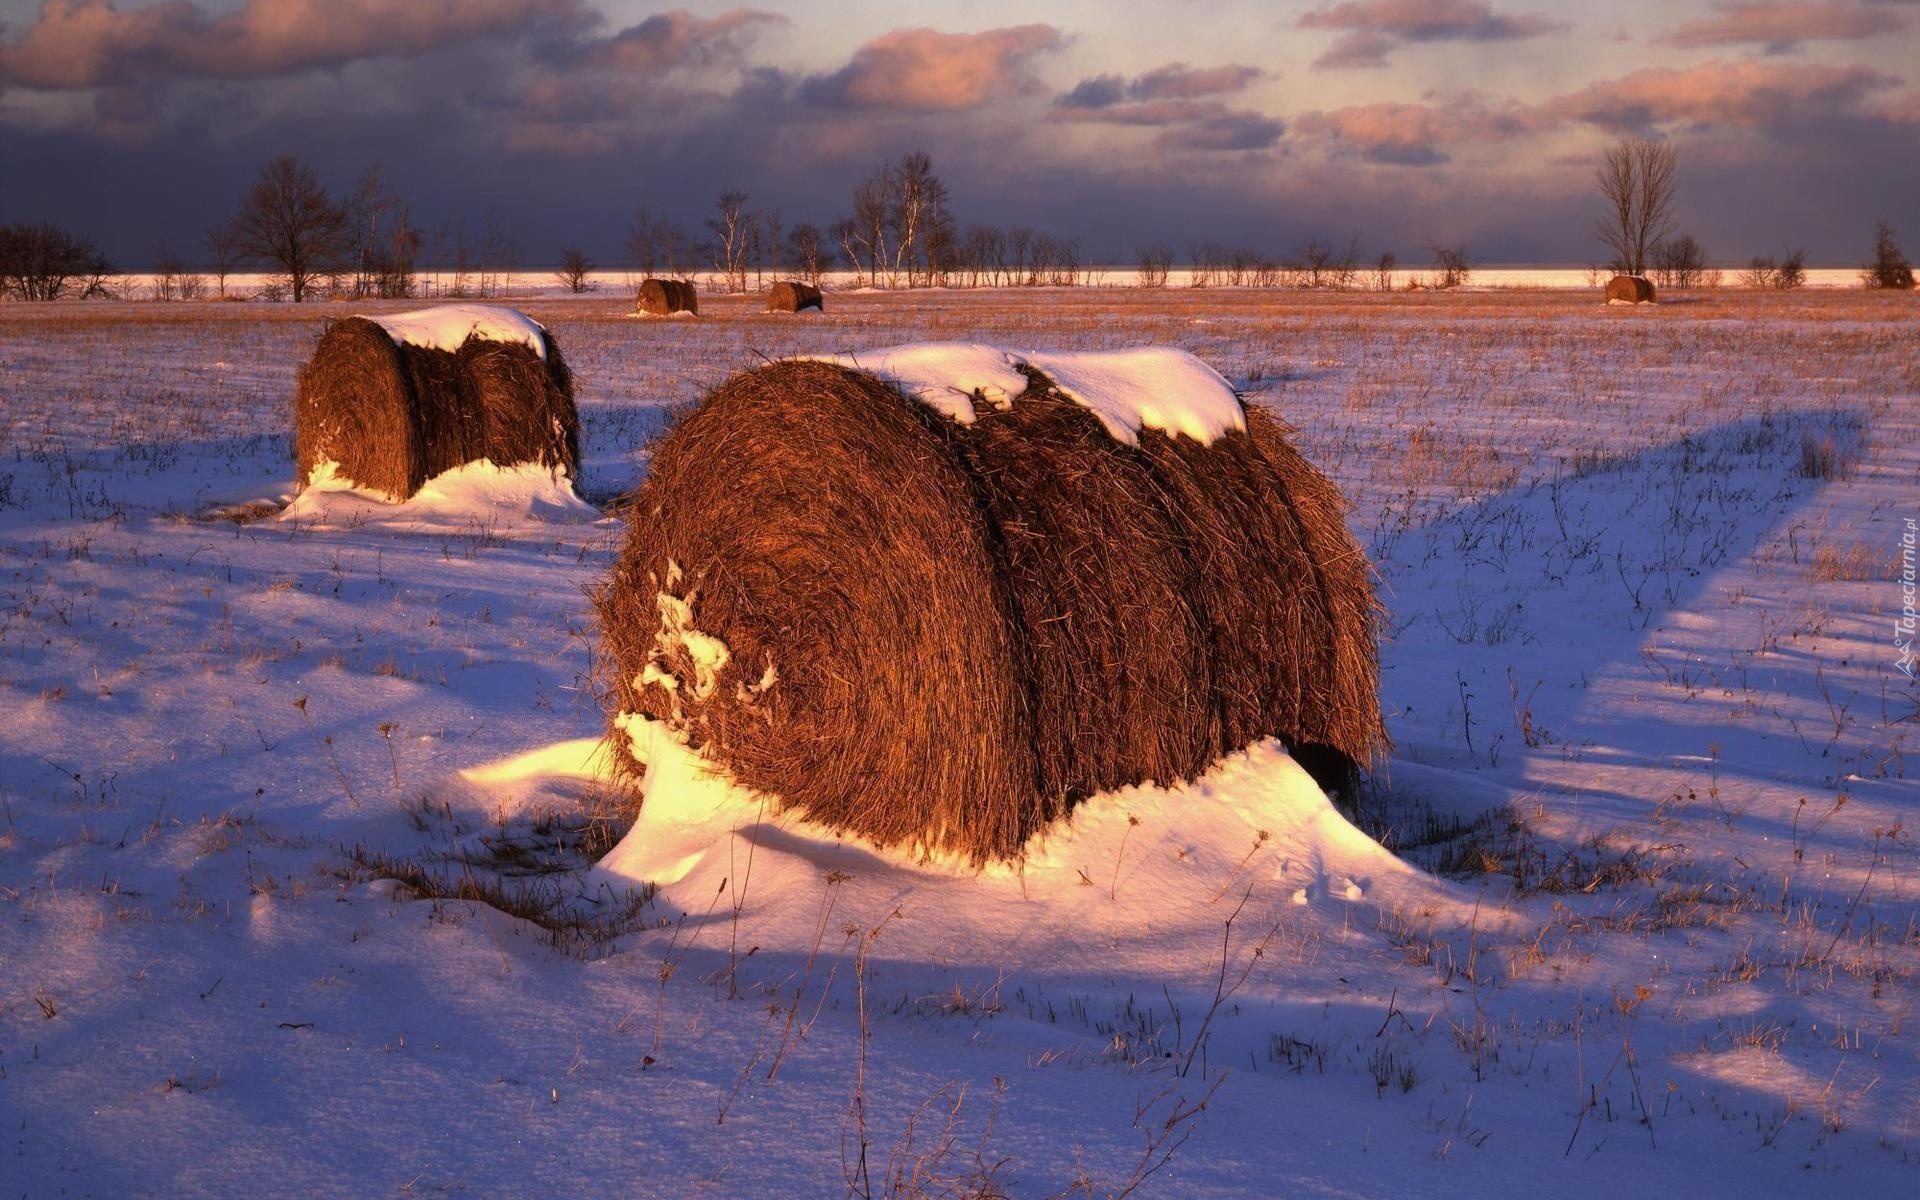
(1903, 629)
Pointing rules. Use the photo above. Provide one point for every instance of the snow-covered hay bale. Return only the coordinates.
(789, 296)
(392, 402)
(664, 297)
(1629, 289)
(934, 624)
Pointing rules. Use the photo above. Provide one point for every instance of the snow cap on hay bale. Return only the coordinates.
(664, 297)
(1629, 289)
(788, 296)
(395, 401)
(937, 595)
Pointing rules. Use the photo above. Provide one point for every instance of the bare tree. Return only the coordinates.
(575, 266)
(1639, 180)
(1761, 272)
(1680, 262)
(288, 222)
(386, 244)
(168, 270)
(1889, 268)
(643, 243)
(223, 254)
(1450, 265)
(917, 205)
(1156, 262)
(1383, 273)
(808, 251)
(732, 225)
(1792, 272)
(46, 262)
(868, 227)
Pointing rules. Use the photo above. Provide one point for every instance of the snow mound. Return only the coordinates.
(448, 325)
(945, 376)
(1150, 387)
(477, 490)
(1143, 876)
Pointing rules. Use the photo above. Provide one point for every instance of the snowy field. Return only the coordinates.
(301, 812)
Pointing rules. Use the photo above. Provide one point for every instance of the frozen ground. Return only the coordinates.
(297, 810)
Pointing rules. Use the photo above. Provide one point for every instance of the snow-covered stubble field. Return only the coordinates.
(282, 911)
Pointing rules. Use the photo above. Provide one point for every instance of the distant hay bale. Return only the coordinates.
(946, 635)
(392, 415)
(1629, 289)
(664, 297)
(789, 296)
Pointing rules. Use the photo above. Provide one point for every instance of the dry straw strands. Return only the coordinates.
(945, 635)
(394, 415)
(788, 296)
(664, 297)
(1629, 289)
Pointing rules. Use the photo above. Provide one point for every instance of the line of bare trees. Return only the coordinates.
(900, 232)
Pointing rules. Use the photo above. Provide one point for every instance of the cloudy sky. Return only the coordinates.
(1409, 122)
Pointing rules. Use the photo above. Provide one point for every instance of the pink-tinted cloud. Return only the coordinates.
(676, 39)
(1782, 25)
(1753, 95)
(926, 70)
(1356, 51)
(1373, 28)
(1415, 134)
(88, 43)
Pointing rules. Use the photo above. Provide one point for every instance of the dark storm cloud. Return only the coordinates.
(1372, 28)
(87, 43)
(1174, 97)
(556, 127)
(1175, 81)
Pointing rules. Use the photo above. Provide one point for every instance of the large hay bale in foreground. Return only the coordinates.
(664, 297)
(946, 634)
(1629, 289)
(789, 296)
(392, 413)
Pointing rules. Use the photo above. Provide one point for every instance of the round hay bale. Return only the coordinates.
(392, 415)
(947, 634)
(817, 523)
(1629, 289)
(664, 297)
(791, 296)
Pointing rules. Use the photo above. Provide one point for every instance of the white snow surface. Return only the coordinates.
(1152, 387)
(1148, 387)
(1641, 670)
(446, 326)
(473, 492)
(945, 376)
(1167, 866)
